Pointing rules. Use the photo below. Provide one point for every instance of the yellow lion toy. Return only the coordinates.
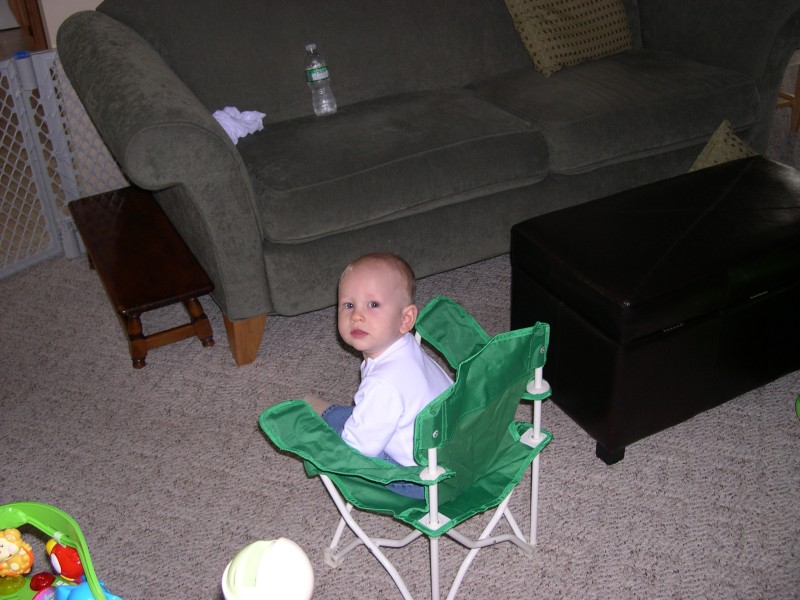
(16, 556)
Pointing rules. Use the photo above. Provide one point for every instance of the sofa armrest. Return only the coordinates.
(742, 35)
(754, 37)
(165, 140)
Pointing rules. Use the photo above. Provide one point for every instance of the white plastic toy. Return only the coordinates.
(269, 569)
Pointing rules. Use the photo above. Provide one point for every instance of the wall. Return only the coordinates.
(7, 20)
(55, 11)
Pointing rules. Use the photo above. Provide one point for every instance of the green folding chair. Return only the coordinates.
(472, 451)
(58, 525)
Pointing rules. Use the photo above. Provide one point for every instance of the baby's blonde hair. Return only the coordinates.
(394, 262)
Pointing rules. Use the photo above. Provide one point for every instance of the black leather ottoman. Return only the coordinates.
(666, 300)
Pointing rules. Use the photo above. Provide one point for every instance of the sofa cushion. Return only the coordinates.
(250, 54)
(563, 33)
(386, 158)
(625, 106)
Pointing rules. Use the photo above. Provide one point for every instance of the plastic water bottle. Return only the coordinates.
(319, 81)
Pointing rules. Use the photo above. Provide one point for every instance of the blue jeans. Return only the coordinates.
(336, 417)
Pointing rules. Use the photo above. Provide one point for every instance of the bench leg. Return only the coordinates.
(244, 337)
(136, 341)
(202, 326)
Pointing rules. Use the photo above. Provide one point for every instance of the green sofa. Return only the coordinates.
(446, 134)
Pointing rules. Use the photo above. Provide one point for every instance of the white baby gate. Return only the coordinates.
(50, 154)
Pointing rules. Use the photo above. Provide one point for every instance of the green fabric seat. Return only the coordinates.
(473, 451)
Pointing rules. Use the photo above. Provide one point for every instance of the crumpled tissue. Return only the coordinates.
(239, 124)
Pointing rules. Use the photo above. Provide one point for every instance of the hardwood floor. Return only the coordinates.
(12, 40)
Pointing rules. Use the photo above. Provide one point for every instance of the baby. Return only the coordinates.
(376, 313)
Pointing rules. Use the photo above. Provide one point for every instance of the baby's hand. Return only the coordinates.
(318, 404)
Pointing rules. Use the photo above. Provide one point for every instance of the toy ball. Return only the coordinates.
(65, 560)
(269, 569)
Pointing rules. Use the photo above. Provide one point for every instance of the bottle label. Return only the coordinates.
(317, 74)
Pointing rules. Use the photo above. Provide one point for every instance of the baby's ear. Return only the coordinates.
(409, 318)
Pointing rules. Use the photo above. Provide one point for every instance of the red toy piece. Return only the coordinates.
(65, 560)
(41, 581)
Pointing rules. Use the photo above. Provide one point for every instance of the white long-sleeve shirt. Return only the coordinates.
(394, 388)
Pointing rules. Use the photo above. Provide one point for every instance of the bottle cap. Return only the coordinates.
(311, 47)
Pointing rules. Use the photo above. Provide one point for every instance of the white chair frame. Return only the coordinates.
(435, 520)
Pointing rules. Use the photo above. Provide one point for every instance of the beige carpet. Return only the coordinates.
(169, 477)
(167, 474)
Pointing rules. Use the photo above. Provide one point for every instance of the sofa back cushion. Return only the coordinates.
(249, 53)
(562, 33)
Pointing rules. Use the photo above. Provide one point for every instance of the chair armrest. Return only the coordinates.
(295, 427)
(165, 139)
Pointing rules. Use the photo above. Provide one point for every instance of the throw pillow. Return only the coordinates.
(563, 33)
(723, 146)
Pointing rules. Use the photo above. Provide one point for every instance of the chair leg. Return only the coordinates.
(332, 558)
(792, 101)
(534, 499)
(462, 571)
(537, 436)
(365, 539)
(434, 568)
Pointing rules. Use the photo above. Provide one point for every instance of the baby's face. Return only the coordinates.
(373, 309)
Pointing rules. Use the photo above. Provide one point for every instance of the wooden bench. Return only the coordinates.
(144, 265)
